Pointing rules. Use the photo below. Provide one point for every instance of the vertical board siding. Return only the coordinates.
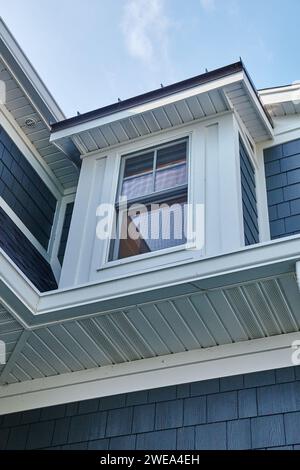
(65, 232)
(24, 191)
(282, 168)
(251, 232)
(257, 411)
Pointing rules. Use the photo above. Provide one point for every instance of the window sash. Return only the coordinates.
(153, 197)
(160, 196)
(155, 150)
(168, 197)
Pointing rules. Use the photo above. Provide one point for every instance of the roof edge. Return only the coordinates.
(41, 98)
(28, 76)
(150, 96)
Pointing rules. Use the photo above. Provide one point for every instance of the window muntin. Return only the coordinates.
(157, 180)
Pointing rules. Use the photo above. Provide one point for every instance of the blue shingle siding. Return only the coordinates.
(186, 438)
(247, 403)
(216, 411)
(268, 431)
(260, 411)
(251, 232)
(65, 232)
(282, 168)
(211, 436)
(239, 434)
(194, 411)
(24, 191)
(17, 246)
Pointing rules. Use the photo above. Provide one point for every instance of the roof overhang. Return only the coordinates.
(225, 89)
(229, 314)
(173, 369)
(234, 313)
(34, 309)
(26, 73)
(26, 96)
(282, 101)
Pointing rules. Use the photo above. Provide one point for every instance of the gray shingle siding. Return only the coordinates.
(282, 168)
(251, 232)
(24, 191)
(21, 251)
(257, 411)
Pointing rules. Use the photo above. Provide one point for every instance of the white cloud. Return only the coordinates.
(208, 5)
(145, 27)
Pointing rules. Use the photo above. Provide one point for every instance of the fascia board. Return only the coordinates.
(37, 309)
(172, 98)
(283, 96)
(279, 89)
(173, 369)
(258, 106)
(210, 273)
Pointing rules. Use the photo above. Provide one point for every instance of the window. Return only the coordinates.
(151, 201)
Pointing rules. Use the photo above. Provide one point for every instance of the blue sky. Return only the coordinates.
(91, 52)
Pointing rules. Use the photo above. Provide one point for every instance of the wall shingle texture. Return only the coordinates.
(255, 411)
(282, 168)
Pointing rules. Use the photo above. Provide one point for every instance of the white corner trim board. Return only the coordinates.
(191, 366)
(298, 273)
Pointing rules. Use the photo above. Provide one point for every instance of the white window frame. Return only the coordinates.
(129, 153)
(59, 222)
(163, 193)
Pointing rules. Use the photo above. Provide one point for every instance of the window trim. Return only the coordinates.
(153, 196)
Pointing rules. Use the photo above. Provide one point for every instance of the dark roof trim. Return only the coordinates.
(150, 96)
(275, 87)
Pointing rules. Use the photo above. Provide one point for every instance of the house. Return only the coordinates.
(147, 342)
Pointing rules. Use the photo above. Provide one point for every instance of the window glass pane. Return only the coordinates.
(137, 165)
(170, 177)
(170, 155)
(138, 176)
(138, 186)
(152, 227)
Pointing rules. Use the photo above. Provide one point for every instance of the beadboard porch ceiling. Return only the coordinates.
(200, 319)
(198, 98)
